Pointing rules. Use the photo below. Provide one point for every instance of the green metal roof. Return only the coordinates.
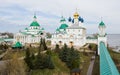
(17, 45)
(35, 16)
(34, 23)
(57, 29)
(101, 23)
(63, 26)
(107, 66)
(42, 29)
(26, 28)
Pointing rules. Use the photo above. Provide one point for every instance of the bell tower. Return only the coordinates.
(102, 35)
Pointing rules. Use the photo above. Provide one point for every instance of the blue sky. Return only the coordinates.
(15, 15)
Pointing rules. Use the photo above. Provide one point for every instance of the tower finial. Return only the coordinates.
(34, 15)
(76, 9)
(76, 15)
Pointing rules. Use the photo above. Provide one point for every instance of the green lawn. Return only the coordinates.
(96, 67)
(116, 58)
(85, 62)
(60, 67)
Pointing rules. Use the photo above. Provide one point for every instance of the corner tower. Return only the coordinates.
(102, 35)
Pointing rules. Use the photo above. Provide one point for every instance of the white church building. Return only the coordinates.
(32, 34)
(73, 32)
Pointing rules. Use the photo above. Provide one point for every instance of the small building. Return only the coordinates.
(18, 45)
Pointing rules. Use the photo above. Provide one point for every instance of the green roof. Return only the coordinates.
(57, 29)
(34, 23)
(17, 45)
(63, 26)
(101, 23)
(43, 29)
(35, 16)
(26, 28)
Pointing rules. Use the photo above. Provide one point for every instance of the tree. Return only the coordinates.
(39, 61)
(28, 59)
(64, 52)
(70, 57)
(57, 49)
(48, 62)
(44, 45)
(73, 59)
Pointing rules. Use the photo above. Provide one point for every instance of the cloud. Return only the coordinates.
(20, 12)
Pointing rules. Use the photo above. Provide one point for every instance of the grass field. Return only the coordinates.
(96, 67)
(60, 67)
(116, 58)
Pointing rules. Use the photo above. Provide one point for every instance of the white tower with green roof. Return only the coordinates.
(31, 34)
(102, 34)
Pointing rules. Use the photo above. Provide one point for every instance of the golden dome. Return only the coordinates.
(76, 15)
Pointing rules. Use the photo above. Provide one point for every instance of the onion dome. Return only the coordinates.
(102, 24)
(69, 19)
(63, 26)
(26, 28)
(73, 21)
(62, 19)
(42, 29)
(34, 23)
(57, 29)
(76, 15)
(80, 19)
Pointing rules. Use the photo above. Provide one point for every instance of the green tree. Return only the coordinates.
(63, 53)
(44, 45)
(39, 62)
(48, 62)
(57, 49)
(28, 59)
(73, 58)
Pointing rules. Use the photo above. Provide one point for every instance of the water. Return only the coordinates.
(113, 40)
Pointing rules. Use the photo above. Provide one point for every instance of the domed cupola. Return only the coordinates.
(62, 19)
(76, 15)
(63, 26)
(101, 24)
(80, 19)
(69, 19)
(72, 20)
(34, 23)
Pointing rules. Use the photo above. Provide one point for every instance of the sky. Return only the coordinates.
(16, 15)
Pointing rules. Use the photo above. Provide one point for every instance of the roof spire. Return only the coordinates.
(76, 15)
(35, 16)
